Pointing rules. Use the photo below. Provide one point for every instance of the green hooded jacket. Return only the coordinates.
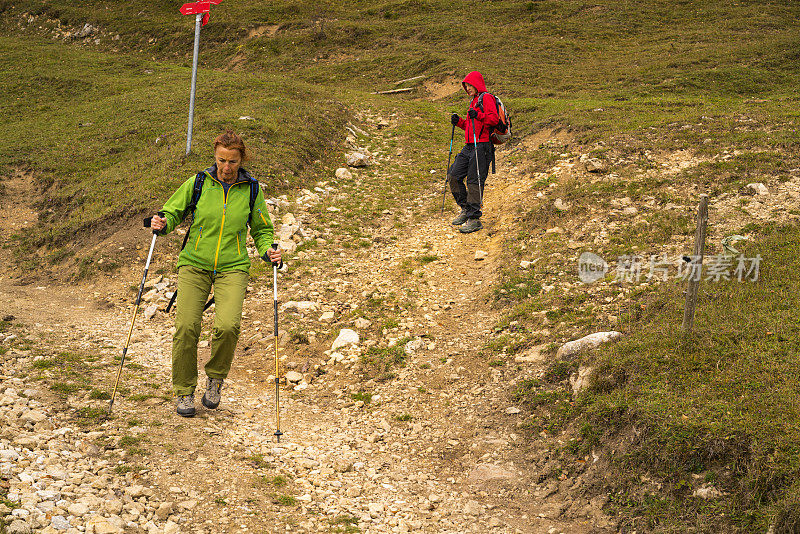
(218, 233)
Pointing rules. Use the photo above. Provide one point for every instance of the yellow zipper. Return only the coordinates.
(238, 249)
(198, 237)
(221, 226)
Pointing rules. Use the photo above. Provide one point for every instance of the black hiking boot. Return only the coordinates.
(472, 225)
(212, 395)
(461, 219)
(185, 405)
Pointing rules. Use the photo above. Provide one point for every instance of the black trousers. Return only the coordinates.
(468, 196)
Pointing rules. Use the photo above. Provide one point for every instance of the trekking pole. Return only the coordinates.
(135, 310)
(278, 432)
(447, 172)
(477, 167)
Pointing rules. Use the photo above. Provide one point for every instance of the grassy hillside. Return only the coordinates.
(718, 409)
(624, 79)
(105, 134)
(109, 96)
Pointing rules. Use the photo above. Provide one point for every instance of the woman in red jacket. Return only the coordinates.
(481, 117)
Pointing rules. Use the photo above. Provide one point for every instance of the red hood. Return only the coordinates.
(475, 79)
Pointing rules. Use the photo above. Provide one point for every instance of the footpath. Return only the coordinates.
(408, 430)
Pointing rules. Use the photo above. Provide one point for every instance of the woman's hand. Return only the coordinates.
(275, 255)
(158, 223)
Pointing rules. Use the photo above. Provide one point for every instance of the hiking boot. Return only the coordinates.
(471, 225)
(461, 219)
(185, 405)
(212, 394)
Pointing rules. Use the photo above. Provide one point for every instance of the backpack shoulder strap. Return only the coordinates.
(199, 180)
(254, 187)
(189, 211)
(480, 100)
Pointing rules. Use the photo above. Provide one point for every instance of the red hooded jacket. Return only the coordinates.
(486, 118)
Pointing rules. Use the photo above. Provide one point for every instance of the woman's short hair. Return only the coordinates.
(231, 141)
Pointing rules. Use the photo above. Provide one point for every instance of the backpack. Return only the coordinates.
(188, 213)
(501, 133)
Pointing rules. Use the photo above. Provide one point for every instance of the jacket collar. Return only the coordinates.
(243, 176)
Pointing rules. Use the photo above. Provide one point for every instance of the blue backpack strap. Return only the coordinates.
(199, 180)
(254, 188)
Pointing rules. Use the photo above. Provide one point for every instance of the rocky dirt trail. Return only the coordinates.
(411, 428)
(432, 445)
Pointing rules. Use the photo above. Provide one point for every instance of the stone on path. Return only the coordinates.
(486, 472)
(413, 346)
(303, 306)
(294, 377)
(758, 188)
(18, 527)
(480, 255)
(707, 492)
(357, 159)
(103, 525)
(164, 510)
(560, 205)
(586, 343)
(594, 165)
(343, 174)
(580, 379)
(346, 337)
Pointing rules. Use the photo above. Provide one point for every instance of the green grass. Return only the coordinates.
(345, 524)
(286, 500)
(379, 362)
(721, 404)
(258, 461)
(647, 65)
(66, 373)
(362, 396)
(97, 100)
(89, 416)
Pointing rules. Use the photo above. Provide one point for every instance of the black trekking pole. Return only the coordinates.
(278, 432)
(447, 172)
(135, 309)
(477, 167)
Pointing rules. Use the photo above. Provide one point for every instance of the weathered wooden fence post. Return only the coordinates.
(696, 266)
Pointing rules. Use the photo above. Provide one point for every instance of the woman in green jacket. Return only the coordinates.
(215, 255)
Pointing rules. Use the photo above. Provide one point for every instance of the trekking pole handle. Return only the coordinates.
(275, 247)
(148, 221)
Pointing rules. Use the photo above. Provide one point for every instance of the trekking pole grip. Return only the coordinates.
(275, 247)
(148, 222)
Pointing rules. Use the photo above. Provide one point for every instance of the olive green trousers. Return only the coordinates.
(194, 286)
